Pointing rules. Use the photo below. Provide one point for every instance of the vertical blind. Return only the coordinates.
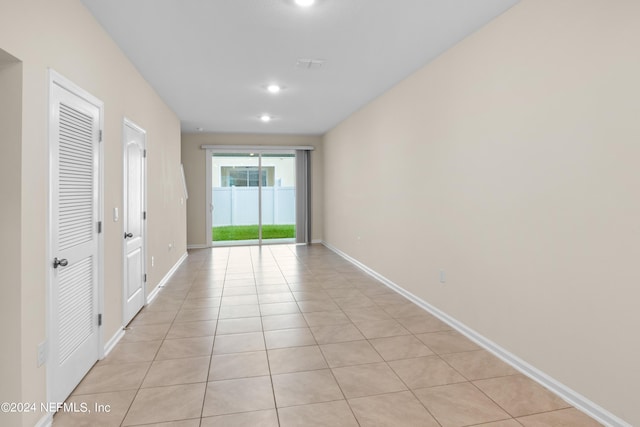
(303, 197)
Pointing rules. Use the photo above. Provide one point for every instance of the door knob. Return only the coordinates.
(60, 262)
(128, 235)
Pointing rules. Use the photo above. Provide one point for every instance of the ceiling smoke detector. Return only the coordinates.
(310, 64)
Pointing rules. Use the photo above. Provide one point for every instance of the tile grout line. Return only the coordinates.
(331, 370)
(266, 351)
(470, 381)
(149, 368)
(215, 335)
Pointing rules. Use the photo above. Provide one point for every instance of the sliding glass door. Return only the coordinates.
(278, 198)
(253, 197)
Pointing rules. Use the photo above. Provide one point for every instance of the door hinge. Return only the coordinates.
(144, 153)
(99, 227)
(100, 135)
(145, 278)
(100, 319)
(144, 215)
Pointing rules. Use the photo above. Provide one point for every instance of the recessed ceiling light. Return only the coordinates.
(265, 118)
(305, 3)
(274, 88)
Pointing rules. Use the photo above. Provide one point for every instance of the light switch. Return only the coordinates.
(116, 216)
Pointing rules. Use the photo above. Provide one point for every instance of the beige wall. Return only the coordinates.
(512, 163)
(10, 170)
(194, 160)
(62, 35)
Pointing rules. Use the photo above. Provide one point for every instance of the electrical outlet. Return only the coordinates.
(443, 276)
(42, 353)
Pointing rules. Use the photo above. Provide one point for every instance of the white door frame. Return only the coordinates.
(131, 124)
(208, 241)
(56, 79)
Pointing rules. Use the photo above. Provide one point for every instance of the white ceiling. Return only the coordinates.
(210, 60)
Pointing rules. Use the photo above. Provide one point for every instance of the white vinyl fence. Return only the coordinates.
(239, 205)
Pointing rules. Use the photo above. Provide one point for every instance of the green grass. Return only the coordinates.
(250, 232)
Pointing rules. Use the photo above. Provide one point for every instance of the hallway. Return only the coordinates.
(297, 336)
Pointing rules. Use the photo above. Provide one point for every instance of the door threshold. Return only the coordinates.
(229, 243)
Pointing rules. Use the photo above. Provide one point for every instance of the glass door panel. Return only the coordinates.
(235, 182)
(278, 197)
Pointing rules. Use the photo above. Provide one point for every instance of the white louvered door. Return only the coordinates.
(75, 127)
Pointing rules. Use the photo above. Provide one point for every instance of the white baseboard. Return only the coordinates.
(317, 241)
(45, 421)
(154, 293)
(198, 246)
(570, 396)
(115, 339)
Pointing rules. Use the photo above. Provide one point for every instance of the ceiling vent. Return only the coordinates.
(310, 64)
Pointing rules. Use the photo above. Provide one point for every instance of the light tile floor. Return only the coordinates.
(297, 336)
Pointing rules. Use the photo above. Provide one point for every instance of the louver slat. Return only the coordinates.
(76, 317)
(76, 187)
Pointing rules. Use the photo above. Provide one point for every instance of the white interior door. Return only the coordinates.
(74, 240)
(134, 217)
